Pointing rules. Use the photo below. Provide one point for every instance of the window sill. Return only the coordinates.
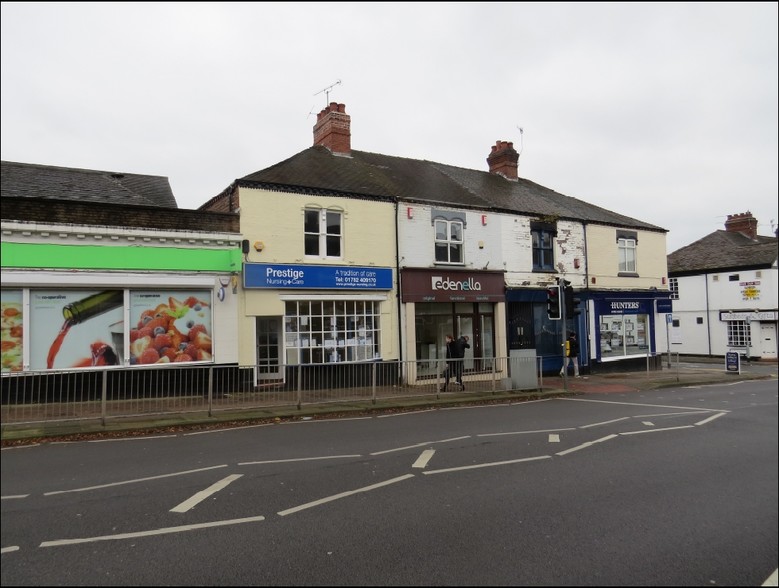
(627, 275)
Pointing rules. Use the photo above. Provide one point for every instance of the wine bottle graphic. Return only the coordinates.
(80, 311)
(91, 306)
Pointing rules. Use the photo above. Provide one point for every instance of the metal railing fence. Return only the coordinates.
(38, 398)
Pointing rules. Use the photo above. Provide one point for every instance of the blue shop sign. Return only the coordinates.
(625, 306)
(329, 277)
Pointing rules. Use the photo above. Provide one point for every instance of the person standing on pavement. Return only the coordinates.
(451, 360)
(572, 353)
(460, 346)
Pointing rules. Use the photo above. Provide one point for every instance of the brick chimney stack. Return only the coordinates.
(504, 160)
(743, 223)
(333, 129)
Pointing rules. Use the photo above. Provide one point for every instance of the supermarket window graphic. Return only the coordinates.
(86, 328)
(11, 332)
(75, 329)
(170, 327)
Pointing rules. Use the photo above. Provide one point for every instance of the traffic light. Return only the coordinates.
(553, 303)
(571, 302)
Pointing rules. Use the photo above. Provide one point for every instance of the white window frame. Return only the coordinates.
(322, 233)
(627, 255)
(673, 288)
(739, 334)
(450, 242)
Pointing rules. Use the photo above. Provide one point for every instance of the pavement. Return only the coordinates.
(691, 371)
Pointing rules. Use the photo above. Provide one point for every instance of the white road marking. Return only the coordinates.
(487, 465)
(697, 408)
(647, 423)
(419, 445)
(243, 463)
(135, 481)
(203, 494)
(16, 548)
(604, 423)
(524, 432)
(711, 418)
(14, 496)
(585, 445)
(295, 509)
(423, 458)
(163, 531)
(553, 438)
(656, 430)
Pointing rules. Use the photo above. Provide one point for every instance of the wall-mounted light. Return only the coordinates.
(663, 280)
(576, 262)
(484, 220)
(259, 246)
(410, 212)
(593, 280)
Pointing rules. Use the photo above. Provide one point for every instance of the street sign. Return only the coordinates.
(733, 362)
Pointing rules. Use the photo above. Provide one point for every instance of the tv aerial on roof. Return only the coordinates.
(327, 92)
(521, 144)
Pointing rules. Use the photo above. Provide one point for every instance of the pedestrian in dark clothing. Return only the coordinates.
(572, 355)
(451, 361)
(460, 346)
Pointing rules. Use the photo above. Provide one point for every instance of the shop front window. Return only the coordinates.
(331, 331)
(623, 335)
(436, 320)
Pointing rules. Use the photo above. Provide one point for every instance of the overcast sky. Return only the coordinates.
(664, 112)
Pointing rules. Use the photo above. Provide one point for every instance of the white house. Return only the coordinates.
(724, 292)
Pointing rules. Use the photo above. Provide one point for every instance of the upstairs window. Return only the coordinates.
(543, 235)
(673, 286)
(448, 241)
(626, 250)
(323, 233)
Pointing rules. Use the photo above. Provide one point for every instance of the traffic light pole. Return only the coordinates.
(563, 321)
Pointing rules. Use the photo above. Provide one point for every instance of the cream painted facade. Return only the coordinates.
(273, 224)
(603, 260)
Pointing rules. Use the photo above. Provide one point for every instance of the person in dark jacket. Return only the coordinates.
(572, 354)
(451, 360)
(460, 346)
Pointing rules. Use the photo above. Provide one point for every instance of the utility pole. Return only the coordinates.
(564, 323)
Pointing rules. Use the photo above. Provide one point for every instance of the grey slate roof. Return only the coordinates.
(723, 251)
(25, 180)
(372, 175)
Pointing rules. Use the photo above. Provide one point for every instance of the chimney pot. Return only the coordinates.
(743, 223)
(333, 129)
(504, 160)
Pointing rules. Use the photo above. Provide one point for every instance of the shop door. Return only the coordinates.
(465, 329)
(768, 341)
(269, 337)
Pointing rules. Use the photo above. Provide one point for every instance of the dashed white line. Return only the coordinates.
(423, 459)
(203, 494)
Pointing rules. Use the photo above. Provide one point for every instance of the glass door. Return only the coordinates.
(269, 336)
